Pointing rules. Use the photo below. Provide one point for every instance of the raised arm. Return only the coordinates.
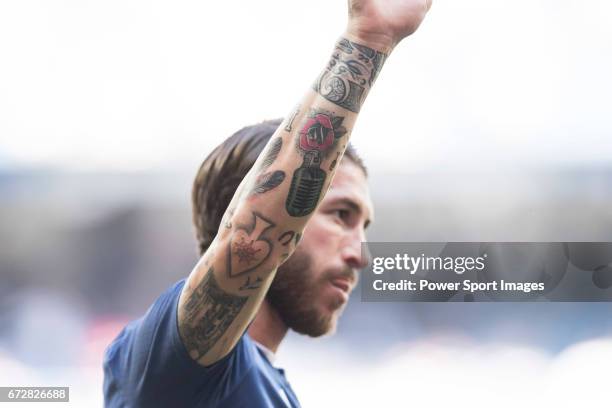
(272, 205)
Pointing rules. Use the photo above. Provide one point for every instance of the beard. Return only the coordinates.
(294, 293)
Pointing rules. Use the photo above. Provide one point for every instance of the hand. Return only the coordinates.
(384, 23)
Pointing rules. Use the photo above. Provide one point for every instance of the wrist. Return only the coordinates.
(351, 71)
(378, 41)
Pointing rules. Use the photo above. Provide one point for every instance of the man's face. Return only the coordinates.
(312, 287)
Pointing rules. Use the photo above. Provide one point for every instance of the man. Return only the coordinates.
(209, 341)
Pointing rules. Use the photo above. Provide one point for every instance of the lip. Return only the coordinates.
(343, 284)
(340, 293)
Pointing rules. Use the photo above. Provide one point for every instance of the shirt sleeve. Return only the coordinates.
(148, 365)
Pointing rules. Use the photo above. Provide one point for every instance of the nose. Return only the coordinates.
(352, 252)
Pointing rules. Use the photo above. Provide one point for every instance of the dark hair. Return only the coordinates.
(223, 170)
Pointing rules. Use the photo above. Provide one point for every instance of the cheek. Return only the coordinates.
(320, 239)
(320, 244)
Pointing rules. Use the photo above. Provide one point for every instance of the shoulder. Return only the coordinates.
(148, 362)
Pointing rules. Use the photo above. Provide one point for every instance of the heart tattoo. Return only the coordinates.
(249, 248)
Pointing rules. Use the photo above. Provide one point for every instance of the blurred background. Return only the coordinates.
(492, 123)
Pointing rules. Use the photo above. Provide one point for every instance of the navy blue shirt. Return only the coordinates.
(147, 365)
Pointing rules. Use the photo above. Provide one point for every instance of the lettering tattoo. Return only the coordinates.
(333, 164)
(207, 314)
(288, 236)
(256, 284)
(350, 74)
(316, 139)
(291, 118)
(249, 246)
(227, 222)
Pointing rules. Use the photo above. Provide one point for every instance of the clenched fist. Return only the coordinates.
(384, 23)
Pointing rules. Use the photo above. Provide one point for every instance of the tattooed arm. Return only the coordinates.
(272, 205)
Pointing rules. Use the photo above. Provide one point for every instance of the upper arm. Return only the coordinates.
(148, 365)
(211, 318)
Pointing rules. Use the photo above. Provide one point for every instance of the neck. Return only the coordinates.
(268, 329)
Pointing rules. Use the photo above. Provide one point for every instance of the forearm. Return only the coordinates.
(291, 176)
(271, 207)
(296, 167)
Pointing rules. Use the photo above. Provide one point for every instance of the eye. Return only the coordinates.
(342, 214)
